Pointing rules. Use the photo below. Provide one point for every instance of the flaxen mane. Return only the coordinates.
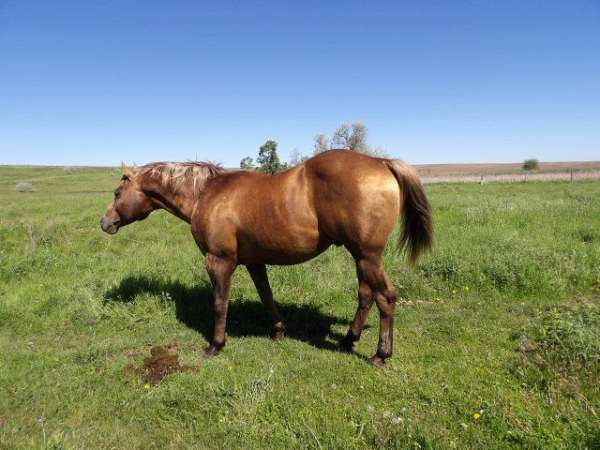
(172, 175)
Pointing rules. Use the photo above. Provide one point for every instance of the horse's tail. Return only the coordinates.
(417, 233)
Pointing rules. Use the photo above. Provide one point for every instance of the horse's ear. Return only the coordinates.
(127, 171)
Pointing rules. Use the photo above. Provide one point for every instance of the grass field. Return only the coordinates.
(497, 332)
(433, 170)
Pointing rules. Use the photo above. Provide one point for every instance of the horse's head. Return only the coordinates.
(129, 205)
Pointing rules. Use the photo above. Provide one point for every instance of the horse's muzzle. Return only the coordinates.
(108, 226)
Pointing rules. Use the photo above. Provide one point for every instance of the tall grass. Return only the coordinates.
(496, 331)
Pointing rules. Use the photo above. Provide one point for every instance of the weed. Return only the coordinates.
(24, 186)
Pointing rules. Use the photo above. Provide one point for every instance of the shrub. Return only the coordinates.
(68, 170)
(531, 164)
(24, 187)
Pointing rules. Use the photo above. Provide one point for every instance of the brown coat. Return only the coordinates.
(337, 197)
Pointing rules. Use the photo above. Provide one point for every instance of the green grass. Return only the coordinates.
(501, 320)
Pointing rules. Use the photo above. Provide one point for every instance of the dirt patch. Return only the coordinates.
(162, 361)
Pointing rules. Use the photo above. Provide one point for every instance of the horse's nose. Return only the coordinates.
(104, 223)
(107, 225)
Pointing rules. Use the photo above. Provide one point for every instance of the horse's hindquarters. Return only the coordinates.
(357, 203)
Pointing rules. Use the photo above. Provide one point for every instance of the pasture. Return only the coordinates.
(497, 333)
(444, 170)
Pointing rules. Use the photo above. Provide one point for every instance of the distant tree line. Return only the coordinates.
(352, 137)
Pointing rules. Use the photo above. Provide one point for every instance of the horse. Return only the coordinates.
(249, 218)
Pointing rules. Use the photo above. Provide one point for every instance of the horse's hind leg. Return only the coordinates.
(365, 302)
(258, 272)
(381, 291)
(386, 303)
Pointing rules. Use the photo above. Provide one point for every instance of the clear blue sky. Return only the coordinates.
(100, 82)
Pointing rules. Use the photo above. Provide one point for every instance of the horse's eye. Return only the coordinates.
(117, 194)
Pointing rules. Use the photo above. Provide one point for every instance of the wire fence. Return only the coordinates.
(571, 175)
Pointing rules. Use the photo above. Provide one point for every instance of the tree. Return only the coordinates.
(379, 152)
(351, 137)
(247, 163)
(321, 143)
(531, 164)
(357, 140)
(296, 157)
(341, 136)
(268, 159)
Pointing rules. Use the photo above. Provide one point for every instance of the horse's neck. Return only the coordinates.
(179, 202)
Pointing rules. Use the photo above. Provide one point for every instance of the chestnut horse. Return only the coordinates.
(238, 217)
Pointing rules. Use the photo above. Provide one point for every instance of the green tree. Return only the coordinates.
(531, 164)
(268, 159)
(247, 163)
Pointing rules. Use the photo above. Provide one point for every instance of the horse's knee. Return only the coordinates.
(386, 305)
(390, 296)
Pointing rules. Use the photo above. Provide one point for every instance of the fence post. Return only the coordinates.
(571, 174)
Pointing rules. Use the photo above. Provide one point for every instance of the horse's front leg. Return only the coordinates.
(220, 271)
(258, 272)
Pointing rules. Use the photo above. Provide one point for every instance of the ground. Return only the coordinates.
(497, 333)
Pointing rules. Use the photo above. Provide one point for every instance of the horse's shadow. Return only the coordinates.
(194, 308)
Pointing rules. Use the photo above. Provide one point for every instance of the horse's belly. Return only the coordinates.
(280, 249)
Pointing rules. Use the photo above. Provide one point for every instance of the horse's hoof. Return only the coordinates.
(212, 350)
(377, 361)
(278, 335)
